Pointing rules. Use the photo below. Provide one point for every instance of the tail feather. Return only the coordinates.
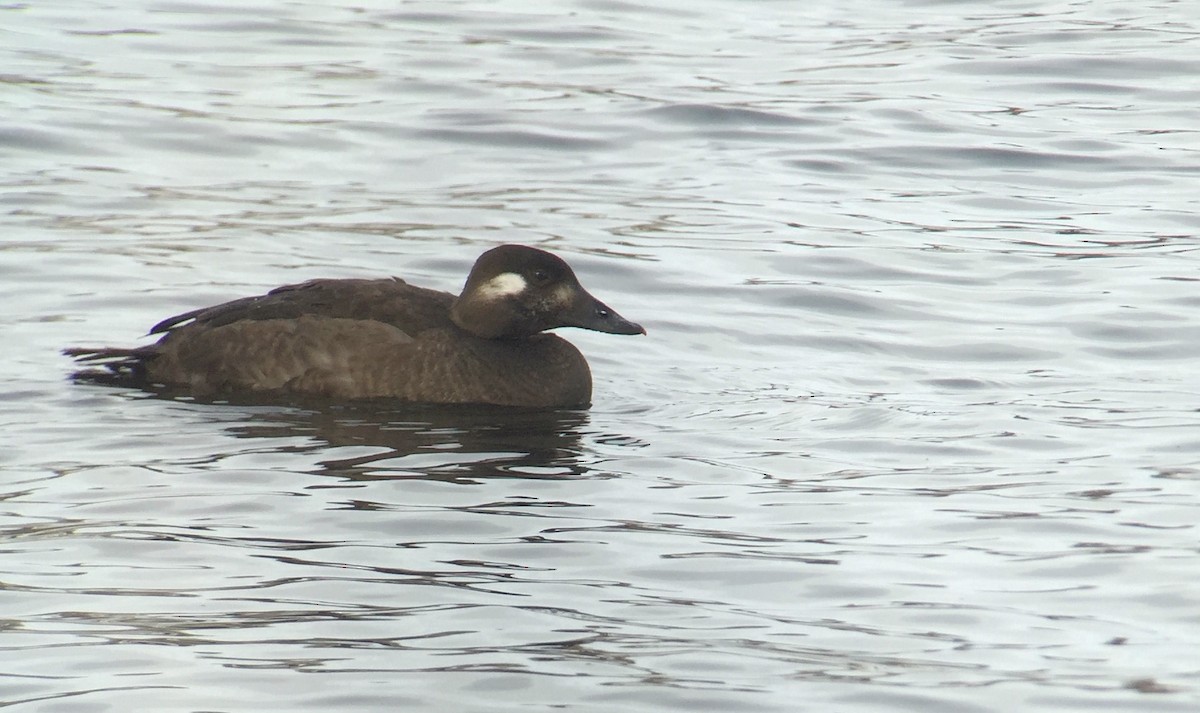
(111, 365)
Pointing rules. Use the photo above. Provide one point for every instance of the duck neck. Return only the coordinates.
(474, 319)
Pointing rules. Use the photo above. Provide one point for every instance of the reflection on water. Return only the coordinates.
(452, 443)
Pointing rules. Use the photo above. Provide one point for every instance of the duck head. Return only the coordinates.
(515, 291)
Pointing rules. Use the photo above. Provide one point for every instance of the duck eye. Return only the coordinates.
(540, 276)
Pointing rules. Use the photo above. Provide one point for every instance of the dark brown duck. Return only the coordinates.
(351, 339)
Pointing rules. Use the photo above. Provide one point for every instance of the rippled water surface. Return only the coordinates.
(916, 426)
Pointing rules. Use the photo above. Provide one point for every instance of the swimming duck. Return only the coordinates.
(364, 338)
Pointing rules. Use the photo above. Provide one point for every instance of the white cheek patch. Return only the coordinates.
(562, 296)
(503, 285)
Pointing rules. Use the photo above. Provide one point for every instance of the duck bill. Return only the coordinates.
(591, 313)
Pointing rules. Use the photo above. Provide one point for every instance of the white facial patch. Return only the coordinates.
(503, 285)
(562, 296)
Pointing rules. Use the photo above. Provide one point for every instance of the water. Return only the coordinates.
(914, 427)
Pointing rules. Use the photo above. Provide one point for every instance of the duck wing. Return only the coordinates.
(314, 337)
(391, 301)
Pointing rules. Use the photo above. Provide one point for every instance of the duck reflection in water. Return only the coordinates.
(448, 443)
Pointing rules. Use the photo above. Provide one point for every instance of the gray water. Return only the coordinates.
(915, 426)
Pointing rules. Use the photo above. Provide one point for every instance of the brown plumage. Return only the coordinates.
(349, 339)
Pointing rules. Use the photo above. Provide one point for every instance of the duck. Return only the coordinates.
(346, 339)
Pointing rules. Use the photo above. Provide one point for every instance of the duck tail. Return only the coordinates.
(111, 365)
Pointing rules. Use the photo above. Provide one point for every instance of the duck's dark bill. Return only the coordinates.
(593, 314)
